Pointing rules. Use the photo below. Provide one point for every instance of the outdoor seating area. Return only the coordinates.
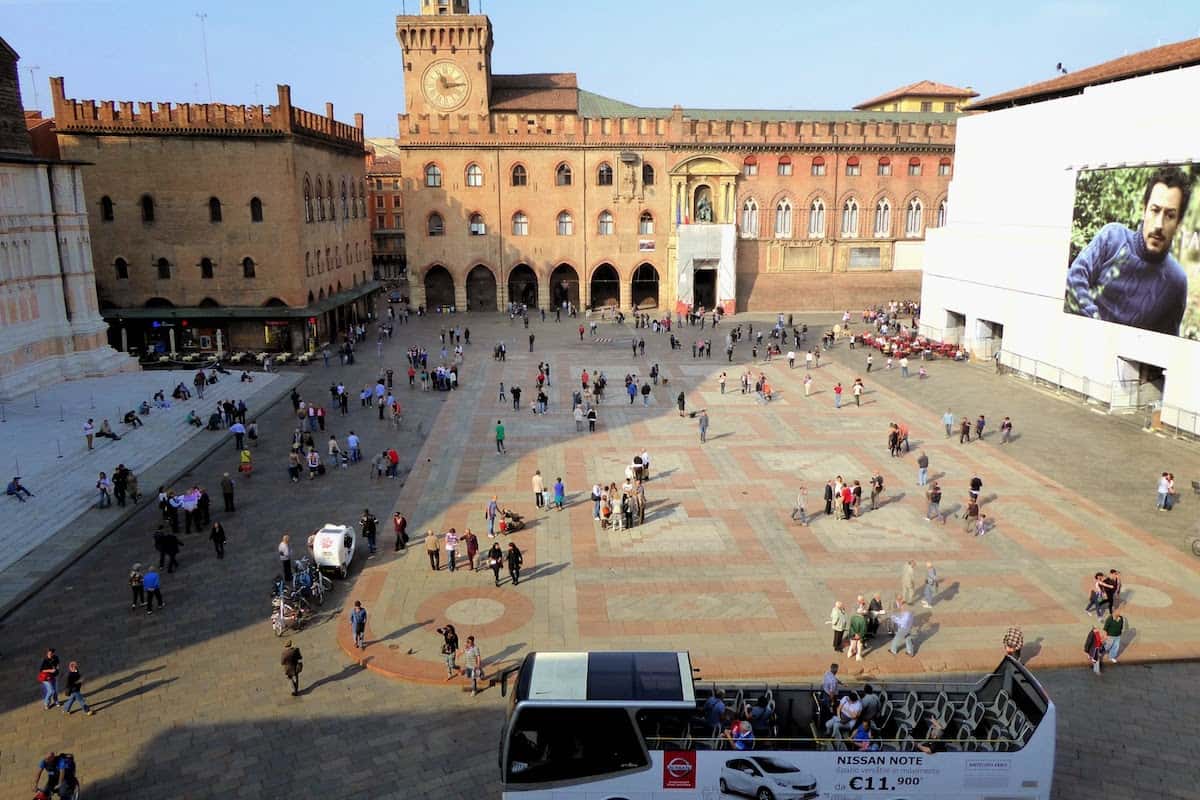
(904, 345)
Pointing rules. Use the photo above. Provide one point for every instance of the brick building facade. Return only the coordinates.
(222, 227)
(385, 204)
(529, 188)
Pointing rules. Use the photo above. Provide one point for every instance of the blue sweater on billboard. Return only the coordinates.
(1116, 280)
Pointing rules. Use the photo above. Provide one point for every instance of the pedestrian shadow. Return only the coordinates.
(1127, 638)
(720, 436)
(400, 632)
(895, 498)
(952, 511)
(544, 570)
(991, 498)
(1012, 437)
(666, 473)
(947, 594)
(497, 663)
(659, 508)
(914, 445)
(926, 633)
(937, 476)
(349, 671)
(130, 677)
(1031, 650)
(132, 693)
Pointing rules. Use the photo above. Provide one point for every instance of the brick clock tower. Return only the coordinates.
(447, 59)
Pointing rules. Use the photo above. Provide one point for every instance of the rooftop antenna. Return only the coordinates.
(33, 82)
(1060, 69)
(202, 16)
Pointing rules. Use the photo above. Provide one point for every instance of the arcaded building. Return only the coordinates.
(222, 227)
(530, 188)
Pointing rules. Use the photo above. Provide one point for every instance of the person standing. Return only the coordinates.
(902, 618)
(839, 621)
(104, 487)
(1164, 491)
(400, 528)
(908, 582)
(837, 395)
(495, 560)
(452, 549)
(514, 559)
(472, 544)
(490, 512)
(285, 557)
(1006, 427)
(1093, 645)
(971, 515)
(560, 494)
(922, 468)
(948, 421)
(931, 584)
(293, 664)
(500, 437)
(857, 391)
(979, 425)
(903, 366)
(933, 495)
(703, 425)
(539, 489)
(449, 649)
(358, 625)
(876, 488)
(433, 551)
(227, 491)
(681, 403)
(473, 661)
(858, 633)
(170, 551)
(89, 433)
(152, 584)
(801, 505)
(370, 530)
(591, 418)
(48, 678)
(217, 537)
(964, 431)
(1112, 589)
(75, 690)
(828, 498)
(135, 586)
(1114, 626)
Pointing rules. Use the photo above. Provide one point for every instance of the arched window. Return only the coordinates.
(750, 219)
(783, 219)
(750, 166)
(147, 203)
(353, 202)
(646, 224)
(164, 269)
(519, 176)
(206, 268)
(647, 175)
(604, 224)
(784, 166)
(256, 210)
(604, 175)
(247, 267)
(944, 167)
(850, 218)
(106, 209)
(566, 225)
(474, 175)
(883, 219)
(476, 225)
(362, 200)
(853, 167)
(885, 167)
(320, 200)
(308, 263)
(332, 207)
(562, 175)
(345, 201)
(433, 176)
(122, 267)
(520, 224)
(914, 218)
(435, 225)
(308, 204)
(941, 215)
(914, 166)
(818, 166)
(214, 210)
(816, 219)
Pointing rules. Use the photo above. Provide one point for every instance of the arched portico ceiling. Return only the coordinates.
(704, 165)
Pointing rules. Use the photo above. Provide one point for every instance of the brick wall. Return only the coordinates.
(14, 138)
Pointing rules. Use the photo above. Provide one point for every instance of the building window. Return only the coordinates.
(750, 166)
(147, 204)
(164, 269)
(395, 201)
(395, 184)
(604, 224)
(818, 167)
(353, 202)
(948, 108)
(604, 175)
(396, 222)
(853, 167)
(913, 218)
(519, 176)
(106, 209)
(883, 219)
(379, 221)
(206, 269)
(379, 201)
(784, 166)
(345, 202)
(914, 167)
(122, 267)
(562, 175)
(783, 220)
(379, 184)
(247, 267)
(476, 226)
(850, 219)
(646, 224)
(566, 225)
(308, 207)
(816, 219)
(362, 200)
(885, 167)
(320, 200)
(433, 176)
(750, 219)
(332, 207)
(474, 175)
(435, 226)
(941, 214)
(926, 106)
(520, 224)
(944, 168)
(256, 210)
(647, 175)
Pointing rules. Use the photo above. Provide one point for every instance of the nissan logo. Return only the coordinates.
(679, 767)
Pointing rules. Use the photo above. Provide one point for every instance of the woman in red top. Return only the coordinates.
(1093, 645)
(847, 502)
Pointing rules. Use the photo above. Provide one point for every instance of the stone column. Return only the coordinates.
(460, 296)
(626, 293)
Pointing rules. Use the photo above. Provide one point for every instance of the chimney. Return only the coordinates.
(329, 110)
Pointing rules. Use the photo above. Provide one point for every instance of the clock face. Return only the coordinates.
(445, 85)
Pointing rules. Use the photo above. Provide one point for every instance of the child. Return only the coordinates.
(921, 373)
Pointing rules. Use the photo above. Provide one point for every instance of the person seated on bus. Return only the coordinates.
(933, 742)
(862, 738)
(740, 735)
(870, 704)
(714, 710)
(760, 717)
(848, 712)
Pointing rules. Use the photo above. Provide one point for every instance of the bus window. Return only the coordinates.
(549, 743)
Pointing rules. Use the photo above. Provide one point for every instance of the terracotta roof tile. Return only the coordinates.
(923, 88)
(1158, 59)
(549, 91)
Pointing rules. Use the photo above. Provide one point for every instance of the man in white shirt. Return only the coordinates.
(645, 465)
(451, 547)
(847, 714)
(285, 557)
(89, 433)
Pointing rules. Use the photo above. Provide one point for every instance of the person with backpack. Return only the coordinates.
(135, 586)
(60, 775)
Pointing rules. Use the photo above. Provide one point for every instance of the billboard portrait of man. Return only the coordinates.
(1129, 275)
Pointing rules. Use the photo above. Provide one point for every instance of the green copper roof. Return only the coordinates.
(592, 105)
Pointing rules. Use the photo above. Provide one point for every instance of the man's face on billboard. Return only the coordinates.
(1161, 218)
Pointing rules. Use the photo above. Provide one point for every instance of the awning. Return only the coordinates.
(750, 160)
(914, 162)
(244, 312)
(884, 161)
(818, 161)
(852, 161)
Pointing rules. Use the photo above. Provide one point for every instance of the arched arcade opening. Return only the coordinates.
(481, 289)
(605, 287)
(644, 287)
(523, 285)
(439, 287)
(564, 286)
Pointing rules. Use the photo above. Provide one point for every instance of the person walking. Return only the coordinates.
(370, 530)
(837, 395)
(922, 468)
(1006, 427)
(539, 489)
(908, 582)
(964, 431)
(500, 437)
(75, 690)
(495, 560)
(1093, 645)
(358, 625)
(933, 496)
(472, 545)
(449, 649)
(48, 678)
(703, 425)
(801, 505)
(902, 618)
(170, 550)
(227, 491)
(285, 557)
(514, 559)
(473, 662)
(931, 584)
(857, 391)
(433, 550)
(135, 586)
(153, 586)
(876, 488)
(560, 494)
(452, 550)
(217, 537)
(1114, 627)
(293, 664)
(948, 421)
(839, 621)
(681, 403)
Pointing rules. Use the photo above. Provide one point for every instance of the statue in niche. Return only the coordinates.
(704, 209)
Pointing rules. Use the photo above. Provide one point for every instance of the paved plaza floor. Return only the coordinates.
(191, 701)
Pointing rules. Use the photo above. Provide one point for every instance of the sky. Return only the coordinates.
(699, 53)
